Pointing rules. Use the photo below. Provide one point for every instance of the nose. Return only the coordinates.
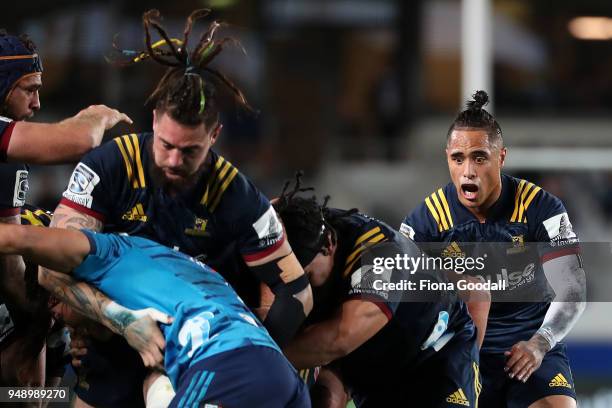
(35, 102)
(175, 158)
(469, 169)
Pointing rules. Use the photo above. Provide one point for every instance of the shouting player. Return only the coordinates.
(523, 361)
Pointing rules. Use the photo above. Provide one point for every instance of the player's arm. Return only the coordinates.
(478, 302)
(63, 142)
(139, 329)
(354, 323)
(282, 272)
(567, 278)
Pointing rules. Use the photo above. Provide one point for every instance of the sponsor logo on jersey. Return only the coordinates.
(268, 228)
(559, 381)
(82, 183)
(135, 214)
(21, 188)
(458, 397)
(513, 279)
(518, 245)
(559, 228)
(407, 231)
(453, 251)
(199, 227)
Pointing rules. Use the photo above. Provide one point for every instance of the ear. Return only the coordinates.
(502, 157)
(215, 134)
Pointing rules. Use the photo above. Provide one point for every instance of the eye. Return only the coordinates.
(480, 159)
(458, 160)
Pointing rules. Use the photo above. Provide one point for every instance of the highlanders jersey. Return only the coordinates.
(523, 214)
(408, 337)
(6, 130)
(114, 183)
(209, 317)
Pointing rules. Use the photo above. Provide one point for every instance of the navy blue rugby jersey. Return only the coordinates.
(414, 327)
(115, 183)
(523, 216)
(6, 130)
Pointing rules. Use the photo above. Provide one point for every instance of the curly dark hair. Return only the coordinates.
(187, 91)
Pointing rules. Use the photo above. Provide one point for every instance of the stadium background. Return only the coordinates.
(360, 94)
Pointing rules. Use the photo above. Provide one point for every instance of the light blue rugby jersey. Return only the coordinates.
(209, 317)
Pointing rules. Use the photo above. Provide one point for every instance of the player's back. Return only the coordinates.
(209, 317)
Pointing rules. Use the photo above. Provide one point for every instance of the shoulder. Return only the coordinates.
(432, 216)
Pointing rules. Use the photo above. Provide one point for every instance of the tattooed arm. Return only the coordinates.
(139, 328)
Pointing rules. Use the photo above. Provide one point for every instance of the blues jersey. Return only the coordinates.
(209, 317)
(14, 176)
(116, 184)
(407, 338)
(523, 214)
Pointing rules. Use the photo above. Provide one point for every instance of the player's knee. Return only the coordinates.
(555, 401)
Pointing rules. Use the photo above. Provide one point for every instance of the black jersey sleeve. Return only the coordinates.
(97, 182)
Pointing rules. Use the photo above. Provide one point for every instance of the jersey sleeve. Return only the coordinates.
(95, 181)
(6, 131)
(420, 225)
(14, 188)
(551, 227)
(254, 224)
(105, 251)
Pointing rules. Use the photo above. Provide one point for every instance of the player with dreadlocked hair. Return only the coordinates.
(170, 186)
(522, 357)
(388, 347)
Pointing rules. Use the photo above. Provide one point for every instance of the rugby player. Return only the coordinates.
(390, 348)
(171, 187)
(217, 351)
(20, 80)
(523, 361)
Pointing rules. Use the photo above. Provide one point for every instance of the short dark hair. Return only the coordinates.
(475, 117)
(188, 89)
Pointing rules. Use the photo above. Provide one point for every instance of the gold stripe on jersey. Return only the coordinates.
(126, 160)
(525, 194)
(139, 167)
(222, 175)
(477, 384)
(130, 151)
(367, 235)
(446, 207)
(436, 202)
(358, 249)
(434, 213)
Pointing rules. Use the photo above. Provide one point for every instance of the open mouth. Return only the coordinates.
(469, 191)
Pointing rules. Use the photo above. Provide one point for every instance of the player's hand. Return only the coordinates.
(78, 346)
(144, 335)
(102, 118)
(525, 357)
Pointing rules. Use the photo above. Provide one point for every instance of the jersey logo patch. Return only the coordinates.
(559, 381)
(518, 245)
(458, 397)
(199, 227)
(559, 228)
(407, 231)
(453, 251)
(268, 228)
(21, 188)
(135, 214)
(525, 193)
(82, 183)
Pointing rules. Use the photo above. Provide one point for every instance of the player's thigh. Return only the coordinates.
(251, 376)
(553, 378)
(555, 401)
